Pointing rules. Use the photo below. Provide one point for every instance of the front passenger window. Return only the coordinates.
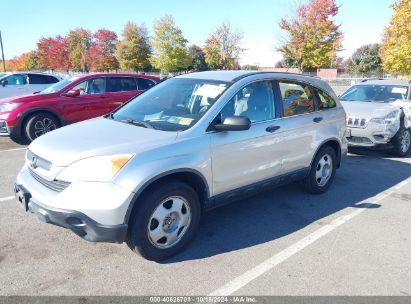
(297, 98)
(254, 101)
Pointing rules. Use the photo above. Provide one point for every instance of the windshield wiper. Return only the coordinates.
(37, 92)
(138, 123)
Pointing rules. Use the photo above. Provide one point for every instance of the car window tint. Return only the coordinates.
(325, 101)
(297, 98)
(254, 101)
(38, 79)
(16, 79)
(96, 86)
(144, 83)
(51, 79)
(121, 84)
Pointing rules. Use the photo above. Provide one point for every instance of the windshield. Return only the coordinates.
(379, 93)
(174, 105)
(57, 86)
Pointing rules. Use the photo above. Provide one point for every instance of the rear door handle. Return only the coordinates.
(318, 119)
(272, 129)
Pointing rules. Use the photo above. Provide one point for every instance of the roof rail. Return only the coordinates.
(369, 79)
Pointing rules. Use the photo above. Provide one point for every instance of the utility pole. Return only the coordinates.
(2, 54)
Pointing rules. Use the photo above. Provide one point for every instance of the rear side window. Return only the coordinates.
(121, 84)
(41, 79)
(144, 83)
(297, 98)
(325, 101)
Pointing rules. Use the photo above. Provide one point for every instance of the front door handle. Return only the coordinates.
(318, 119)
(272, 129)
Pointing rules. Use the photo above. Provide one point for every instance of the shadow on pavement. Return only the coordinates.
(285, 210)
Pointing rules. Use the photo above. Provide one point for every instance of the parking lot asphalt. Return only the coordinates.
(353, 240)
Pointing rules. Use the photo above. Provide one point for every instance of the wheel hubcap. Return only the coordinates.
(43, 126)
(169, 222)
(405, 141)
(324, 170)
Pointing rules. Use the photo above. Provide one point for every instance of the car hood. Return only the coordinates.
(99, 136)
(368, 110)
(27, 98)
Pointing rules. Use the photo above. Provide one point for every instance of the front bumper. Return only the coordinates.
(372, 135)
(80, 224)
(94, 211)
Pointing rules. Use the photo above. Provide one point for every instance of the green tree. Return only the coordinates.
(312, 38)
(396, 48)
(197, 55)
(222, 48)
(79, 41)
(366, 60)
(170, 52)
(134, 50)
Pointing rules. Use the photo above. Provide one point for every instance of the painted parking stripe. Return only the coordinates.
(7, 198)
(290, 251)
(10, 150)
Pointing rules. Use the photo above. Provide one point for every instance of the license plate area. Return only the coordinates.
(22, 196)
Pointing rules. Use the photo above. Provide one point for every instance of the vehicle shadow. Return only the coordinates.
(283, 211)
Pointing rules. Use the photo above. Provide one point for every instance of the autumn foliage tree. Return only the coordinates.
(79, 41)
(134, 50)
(170, 53)
(101, 55)
(58, 54)
(366, 61)
(312, 37)
(43, 46)
(396, 48)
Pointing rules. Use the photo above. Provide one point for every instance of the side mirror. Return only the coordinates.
(73, 93)
(3, 83)
(234, 123)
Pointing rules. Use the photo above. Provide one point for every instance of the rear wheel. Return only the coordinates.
(165, 221)
(322, 171)
(39, 124)
(402, 142)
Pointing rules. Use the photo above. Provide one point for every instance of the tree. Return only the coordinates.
(396, 49)
(58, 53)
(366, 60)
(43, 46)
(223, 48)
(312, 38)
(197, 55)
(79, 41)
(169, 46)
(101, 55)
(134, 50)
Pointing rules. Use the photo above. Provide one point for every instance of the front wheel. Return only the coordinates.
(39, 124)
(322, 171)
(402, 142)
(165, 221)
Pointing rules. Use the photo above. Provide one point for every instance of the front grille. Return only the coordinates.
(356, 122)
(55, 185)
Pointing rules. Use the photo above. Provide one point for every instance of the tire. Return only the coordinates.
(401, 142)
(39, 124)
(165, 221)
(322, 171)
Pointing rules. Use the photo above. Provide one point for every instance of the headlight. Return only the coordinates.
(95, 169)
(389, 119)
(8, 106)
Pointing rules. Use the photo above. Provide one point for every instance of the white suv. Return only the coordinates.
(144, 173)
(379, 115)
(15, 84)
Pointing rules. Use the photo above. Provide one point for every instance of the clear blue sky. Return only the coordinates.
(24, 23)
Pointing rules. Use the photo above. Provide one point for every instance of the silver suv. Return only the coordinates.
(146, 172)
(379, 115)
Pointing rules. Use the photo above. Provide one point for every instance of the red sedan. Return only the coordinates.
(69, 101)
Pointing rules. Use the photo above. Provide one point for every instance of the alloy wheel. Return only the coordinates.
(324, 170)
